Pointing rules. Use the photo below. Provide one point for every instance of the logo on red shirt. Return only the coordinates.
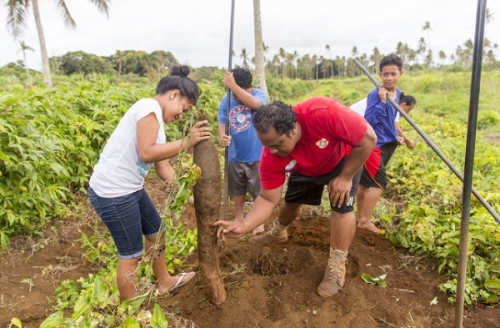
(322, 143)
(290, 165)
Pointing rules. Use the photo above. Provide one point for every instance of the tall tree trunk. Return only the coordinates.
(260, 70)
(28, 76)
(43, 49)
(207, 196)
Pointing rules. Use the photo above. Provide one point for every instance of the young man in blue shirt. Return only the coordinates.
(380, 114)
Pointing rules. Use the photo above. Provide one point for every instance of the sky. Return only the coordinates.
(197, 32)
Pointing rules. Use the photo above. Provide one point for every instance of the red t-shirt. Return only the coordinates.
(329, 130)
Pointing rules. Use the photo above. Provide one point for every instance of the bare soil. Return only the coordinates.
(266, 286)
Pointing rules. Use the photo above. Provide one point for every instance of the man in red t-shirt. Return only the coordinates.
(319, 142)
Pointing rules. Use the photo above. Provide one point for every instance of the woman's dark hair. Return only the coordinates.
(391, 59)
(242, 77)
(277, 115)
(178, 80)
(407, 99)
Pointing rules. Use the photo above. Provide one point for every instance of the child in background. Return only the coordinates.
(244, 145)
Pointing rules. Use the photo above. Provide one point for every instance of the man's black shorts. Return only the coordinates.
(302, 189)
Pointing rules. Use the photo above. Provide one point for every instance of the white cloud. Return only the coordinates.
(197, 31)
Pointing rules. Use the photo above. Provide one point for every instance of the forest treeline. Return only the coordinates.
(281, 65)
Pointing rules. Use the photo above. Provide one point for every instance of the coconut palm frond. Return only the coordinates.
(102, 5)
(16, 18)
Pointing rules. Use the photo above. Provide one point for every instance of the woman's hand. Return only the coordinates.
(199, 132)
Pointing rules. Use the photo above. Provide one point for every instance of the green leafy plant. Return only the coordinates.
(379, 281)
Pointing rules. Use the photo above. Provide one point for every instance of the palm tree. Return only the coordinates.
(421, 48)
(119, 59)
(24, 48)
(244, 55)
(260, 70)
(427, 27)
(489, 16)
(282, 56)
(352, 66)
(315, 67)
(330, 54)
(375, 57)
(16, 20)
(442, 57)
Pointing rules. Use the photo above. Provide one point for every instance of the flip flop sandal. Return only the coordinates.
(179, 283)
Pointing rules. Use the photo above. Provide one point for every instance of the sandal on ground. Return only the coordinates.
(180, 282)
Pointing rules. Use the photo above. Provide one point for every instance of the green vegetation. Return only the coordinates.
(51, 138)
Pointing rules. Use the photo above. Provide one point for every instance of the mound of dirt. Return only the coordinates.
(266, 286)
(275, 286)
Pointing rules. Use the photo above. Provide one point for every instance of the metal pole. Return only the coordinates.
(431, 144)
(469, 161)
(226, 150)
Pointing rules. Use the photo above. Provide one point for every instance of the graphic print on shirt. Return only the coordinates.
(240, 118)
(322, 143)
(290, 165)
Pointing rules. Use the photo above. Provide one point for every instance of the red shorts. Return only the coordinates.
(374, 174)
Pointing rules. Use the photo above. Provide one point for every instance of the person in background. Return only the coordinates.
(406, 102)
(245, 147)
(381, 115)
(318, 142)
(116, 187)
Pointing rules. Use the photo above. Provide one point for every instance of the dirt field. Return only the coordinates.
(266, 286)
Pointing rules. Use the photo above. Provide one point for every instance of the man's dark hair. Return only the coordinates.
(277, 115)
(391, 59)
(243, 77)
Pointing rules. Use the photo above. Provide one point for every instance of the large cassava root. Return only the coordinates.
(207, 195)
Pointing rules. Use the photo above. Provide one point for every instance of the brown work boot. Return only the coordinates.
(277, 235)
(334, 278)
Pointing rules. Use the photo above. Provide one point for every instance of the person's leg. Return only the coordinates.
(365, 212)
(253, 187)
(239, 202)
(300, 190)
(155, 246)
(126, 277)
(260, 229)
(288, 213)
(360, 199)
(122, 217)
(278, 234)
(165, 280)
(237, 188)
(372, 184)
(342, 230)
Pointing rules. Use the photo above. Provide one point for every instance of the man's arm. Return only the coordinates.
(243, 96)
(261, 210)
(340, 187)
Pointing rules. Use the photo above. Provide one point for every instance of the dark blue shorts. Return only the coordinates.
(128, 219)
